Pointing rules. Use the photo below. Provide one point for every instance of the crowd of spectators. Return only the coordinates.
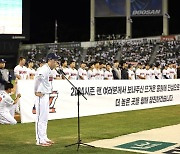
(151, 52)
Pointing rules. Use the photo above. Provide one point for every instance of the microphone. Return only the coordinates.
(60, 71)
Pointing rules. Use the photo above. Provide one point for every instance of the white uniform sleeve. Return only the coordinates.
(16, 70)
(138, 72)
(38, 79)
(8, 100)
(80, 72)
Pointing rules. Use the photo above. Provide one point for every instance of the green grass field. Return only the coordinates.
(20, 138)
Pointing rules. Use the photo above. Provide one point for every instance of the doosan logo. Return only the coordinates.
(146, 12)
(52, 100)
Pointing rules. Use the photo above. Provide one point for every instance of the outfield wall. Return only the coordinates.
(102, 97)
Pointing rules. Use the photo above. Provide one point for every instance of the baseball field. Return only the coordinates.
(20, 138)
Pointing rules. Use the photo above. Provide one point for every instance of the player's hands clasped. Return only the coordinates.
(39, 94)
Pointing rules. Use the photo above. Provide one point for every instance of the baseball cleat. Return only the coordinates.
(44, 144)
(50, 141)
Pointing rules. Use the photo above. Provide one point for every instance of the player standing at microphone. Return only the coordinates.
(43, 87)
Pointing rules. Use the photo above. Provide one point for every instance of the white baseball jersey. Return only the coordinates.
(101, 72)
(31, 73)
(140, 72)
(131, 74)
(6, 103)
(147, 74)
(152, 74)
(172, 73)
(73, 74)
(43, 80)
(165, 73)
(158, 73)
(55, 74)
(22, 71)
(66, 71)
(83, 73)
(108, 75)
(97, 74)
(91, 75)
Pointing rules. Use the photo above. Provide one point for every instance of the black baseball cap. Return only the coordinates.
(51, 56)
(2, 61)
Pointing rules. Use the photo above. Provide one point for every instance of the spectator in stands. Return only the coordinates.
(30, 70)
(124, 71)
(4, 74)
(82, 73)
(73, 73)
(116, 70)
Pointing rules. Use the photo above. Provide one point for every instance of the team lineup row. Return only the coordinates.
(100, 71)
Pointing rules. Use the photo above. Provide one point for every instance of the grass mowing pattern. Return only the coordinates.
(20, 138)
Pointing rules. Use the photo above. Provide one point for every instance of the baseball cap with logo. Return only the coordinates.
(51, 56)
(2, 61)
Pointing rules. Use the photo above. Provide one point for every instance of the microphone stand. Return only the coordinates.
(79, 141)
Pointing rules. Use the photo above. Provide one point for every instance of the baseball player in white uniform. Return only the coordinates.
(140, 73)
(43, 87)
(90, 73)
(96, 71)
(131, 73)
(108, 73)
(73, 73)
(65, 69)
(20, 72)
(82, 73)
(157, 71)
(6, 103)
(30, 70)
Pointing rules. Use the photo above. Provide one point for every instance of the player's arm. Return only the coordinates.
(16, 73)
(17, 98)
(141, 77)
(38, 81)
(106, 75)
(80, 74)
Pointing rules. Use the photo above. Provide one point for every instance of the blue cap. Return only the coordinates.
(2, 61)
(51, 56)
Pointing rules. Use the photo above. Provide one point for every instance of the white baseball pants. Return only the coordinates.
(42, 112)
